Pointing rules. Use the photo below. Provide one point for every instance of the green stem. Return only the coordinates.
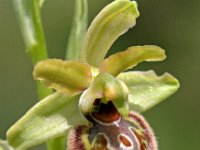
(79, 27)
(28, 13)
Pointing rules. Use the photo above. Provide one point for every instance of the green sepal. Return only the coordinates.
(146, 89)
(121, 61)
(69, 77)
(48, 119)
(79, 28)
(114, 20)
(107, 88)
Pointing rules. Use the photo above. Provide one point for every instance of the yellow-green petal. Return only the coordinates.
(146, 89)
(69, 77)
(121, 61)
(113, 21)
(48, 119)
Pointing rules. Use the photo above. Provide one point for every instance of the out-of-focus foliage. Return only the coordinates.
(171, 24)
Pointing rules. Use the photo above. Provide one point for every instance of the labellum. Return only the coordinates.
(108, 130)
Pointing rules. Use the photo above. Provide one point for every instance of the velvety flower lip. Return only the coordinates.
(96, 94)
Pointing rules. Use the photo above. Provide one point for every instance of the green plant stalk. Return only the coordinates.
(78, 30)
(28, 13)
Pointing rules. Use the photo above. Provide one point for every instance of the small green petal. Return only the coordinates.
(113, 21)
(124, 60)
(49, 118)
(69, 77)
(106, 88)
(146, 89)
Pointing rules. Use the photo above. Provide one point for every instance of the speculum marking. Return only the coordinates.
(125, 141)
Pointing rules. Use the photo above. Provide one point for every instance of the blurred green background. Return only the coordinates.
(171, 24)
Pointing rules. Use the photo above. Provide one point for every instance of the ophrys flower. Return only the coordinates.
(99, 90)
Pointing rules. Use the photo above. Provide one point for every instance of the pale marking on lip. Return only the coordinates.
(136, 139)
(108, 144)
(121, 143)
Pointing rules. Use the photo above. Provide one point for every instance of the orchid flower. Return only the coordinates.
(97, 103)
